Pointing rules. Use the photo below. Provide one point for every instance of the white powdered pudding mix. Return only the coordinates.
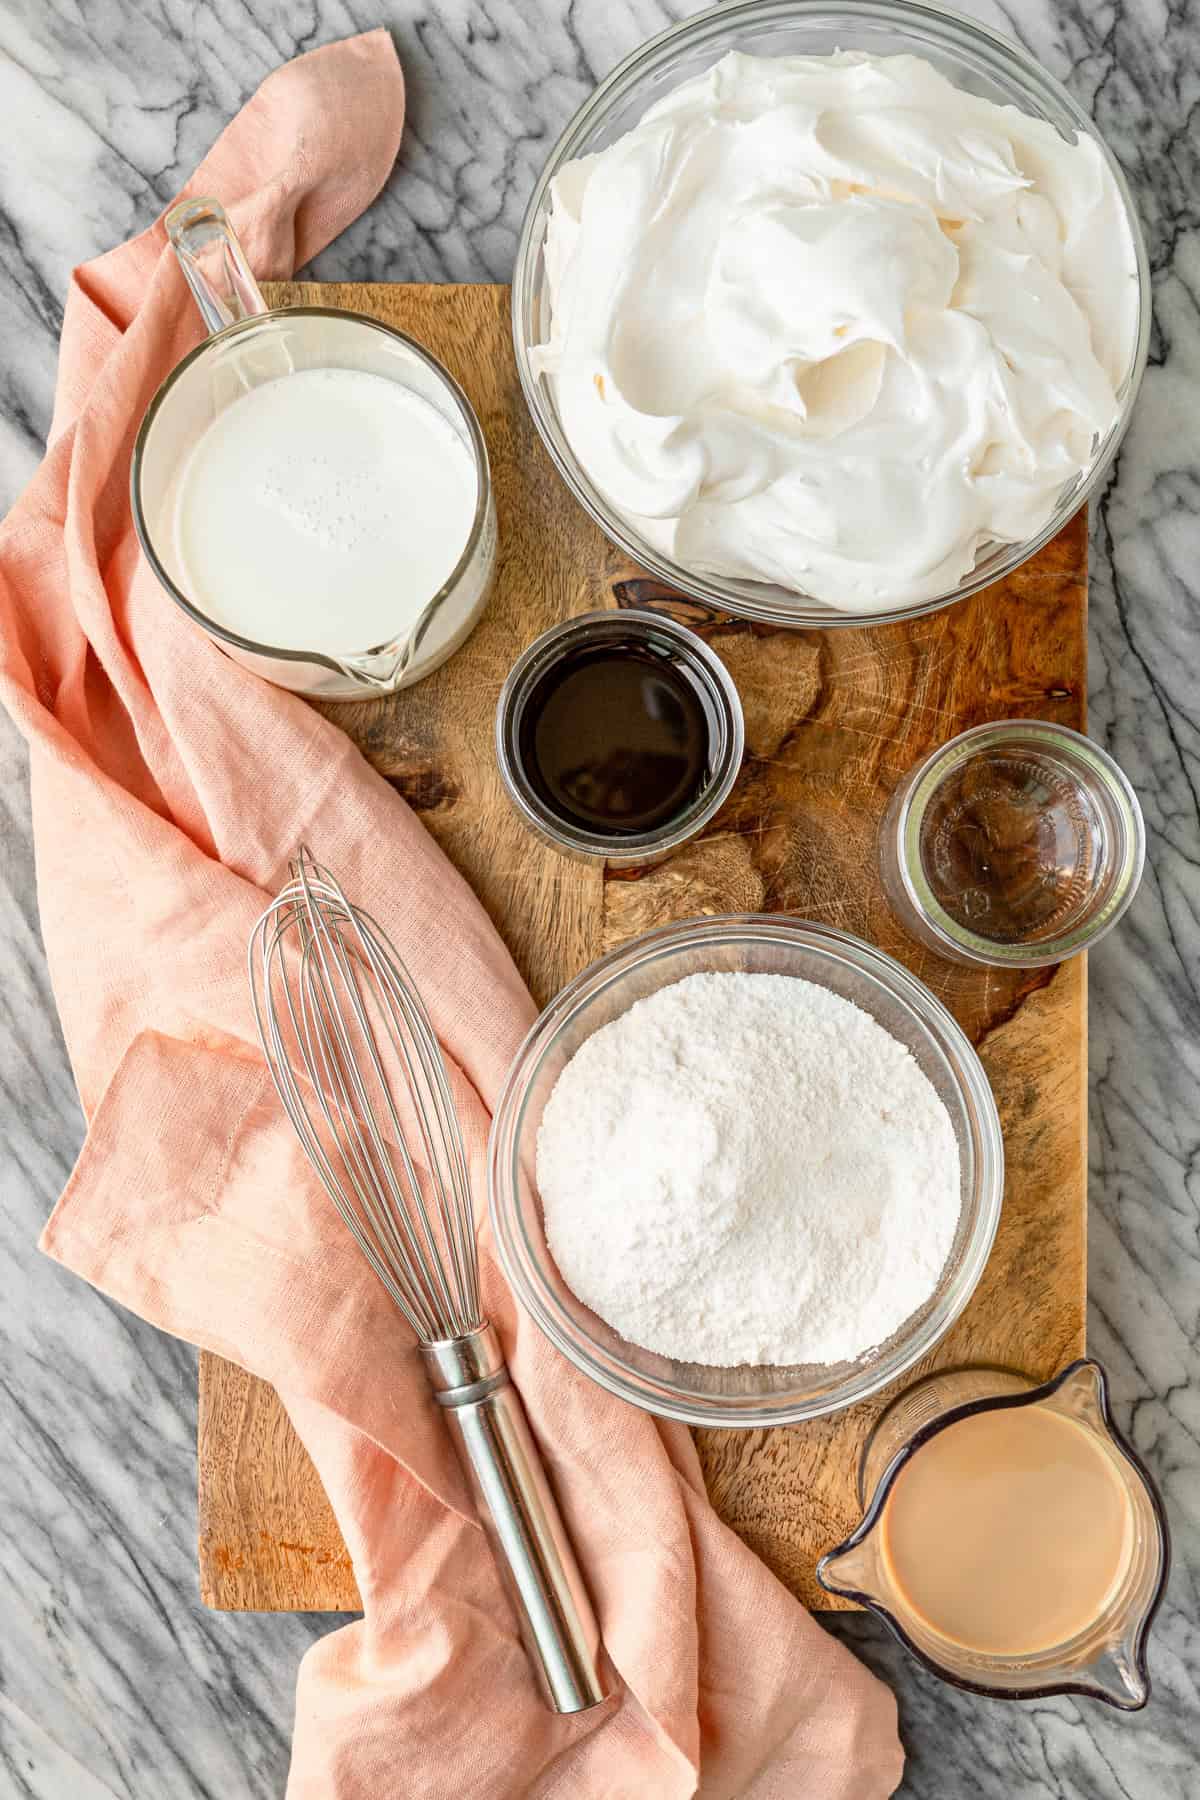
(748, 1169)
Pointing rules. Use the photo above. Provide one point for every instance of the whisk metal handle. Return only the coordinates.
(518, 1512)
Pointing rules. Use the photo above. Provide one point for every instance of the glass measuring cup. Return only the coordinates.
(252, 344)
(1106, 1658)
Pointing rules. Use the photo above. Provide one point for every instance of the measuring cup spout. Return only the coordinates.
(1119, 1676)
(213, 263)
(855, 1571)
(379, 671)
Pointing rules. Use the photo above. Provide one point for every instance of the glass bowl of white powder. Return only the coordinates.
(849, 327)
(800, 1211)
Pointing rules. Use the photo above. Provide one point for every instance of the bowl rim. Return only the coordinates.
(947, 1037)
(1002, 54)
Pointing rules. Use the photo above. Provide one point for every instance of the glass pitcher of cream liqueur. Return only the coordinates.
(310, 485)
(1011, 1538)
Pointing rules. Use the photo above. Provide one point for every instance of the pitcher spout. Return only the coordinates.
(854, 1570)
(382, 670)
(1119, 1678)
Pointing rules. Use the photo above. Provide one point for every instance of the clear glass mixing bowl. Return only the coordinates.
(969, 54)
(757, 944)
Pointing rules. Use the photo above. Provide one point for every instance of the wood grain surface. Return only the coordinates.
(833, 720)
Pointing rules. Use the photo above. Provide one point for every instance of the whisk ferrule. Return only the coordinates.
(462, 1369)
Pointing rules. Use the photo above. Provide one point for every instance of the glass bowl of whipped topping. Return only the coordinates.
(750, 1393)
(830, 315)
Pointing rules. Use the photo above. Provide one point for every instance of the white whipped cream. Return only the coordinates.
(832, 323)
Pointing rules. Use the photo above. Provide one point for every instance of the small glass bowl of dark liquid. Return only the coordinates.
(1018, 843)
(619, 735)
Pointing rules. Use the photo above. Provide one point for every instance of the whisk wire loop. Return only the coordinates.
(336, 1011)
(399, 1232)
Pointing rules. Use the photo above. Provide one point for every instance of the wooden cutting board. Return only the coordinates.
(833, 720)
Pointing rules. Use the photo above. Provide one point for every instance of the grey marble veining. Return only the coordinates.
(114, 1681)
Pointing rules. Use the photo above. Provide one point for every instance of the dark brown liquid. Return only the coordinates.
(616, 739)
(1008, 845)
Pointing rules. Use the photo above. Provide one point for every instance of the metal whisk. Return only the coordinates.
(340, 1020)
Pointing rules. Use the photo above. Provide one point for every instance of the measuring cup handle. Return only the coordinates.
(213, 262)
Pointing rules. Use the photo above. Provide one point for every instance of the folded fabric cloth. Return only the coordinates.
(158, 842)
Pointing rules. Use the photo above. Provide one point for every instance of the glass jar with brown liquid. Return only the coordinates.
(618, 735)
(1019, 843)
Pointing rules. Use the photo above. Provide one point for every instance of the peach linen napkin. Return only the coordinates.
(170, 787)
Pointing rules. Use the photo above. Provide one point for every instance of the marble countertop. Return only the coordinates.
(114, 1681)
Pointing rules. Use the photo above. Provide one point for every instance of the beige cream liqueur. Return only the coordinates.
(1008, 1532)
